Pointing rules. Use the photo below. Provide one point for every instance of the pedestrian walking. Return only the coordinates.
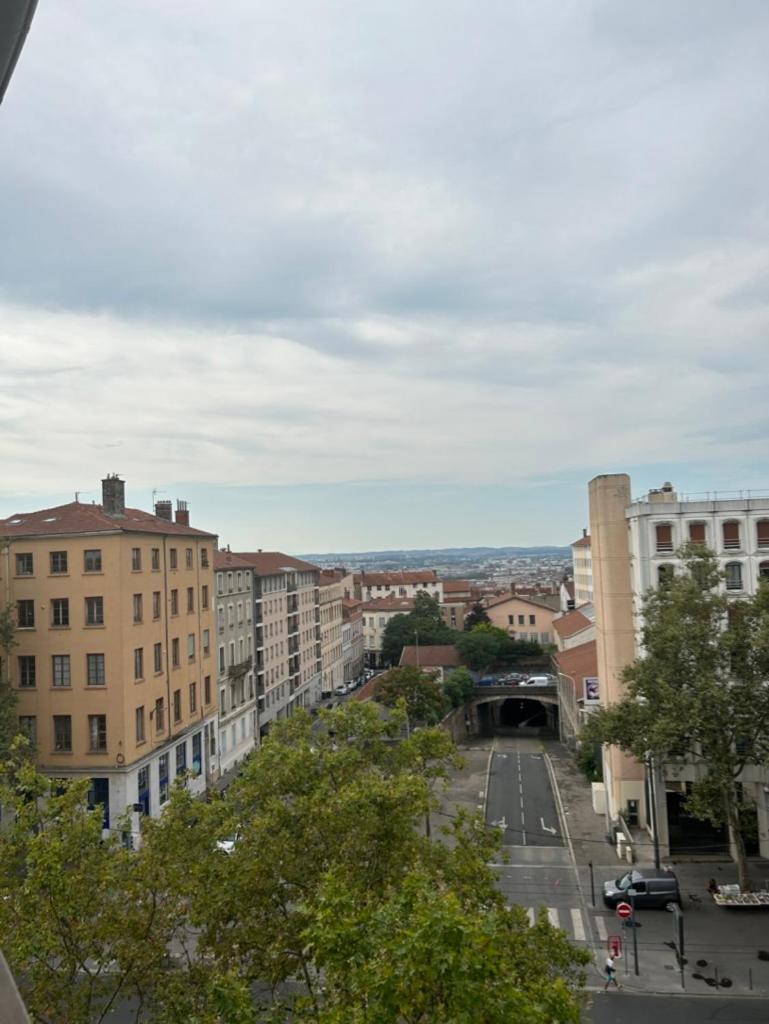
(611, 970)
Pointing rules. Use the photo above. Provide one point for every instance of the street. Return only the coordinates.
(619, 1008)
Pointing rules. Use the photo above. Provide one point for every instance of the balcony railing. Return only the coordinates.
(236, 671)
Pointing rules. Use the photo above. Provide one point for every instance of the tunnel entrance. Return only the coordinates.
(527, 713)
(518, 716)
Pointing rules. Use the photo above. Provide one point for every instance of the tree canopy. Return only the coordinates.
(458, 686)
(332, 900)
(476, 616)
(423, 697)
(700, 689)
(486, 646)
(423, 623)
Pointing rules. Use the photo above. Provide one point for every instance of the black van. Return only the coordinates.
(649, 888)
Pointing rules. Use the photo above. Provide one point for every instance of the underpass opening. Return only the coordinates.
(527, 713)
(518, 716)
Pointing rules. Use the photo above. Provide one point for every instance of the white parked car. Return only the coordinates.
(340, 690)
(538, 681)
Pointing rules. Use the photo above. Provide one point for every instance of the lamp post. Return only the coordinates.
(653, 803)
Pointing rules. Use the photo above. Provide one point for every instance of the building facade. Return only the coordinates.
(352, 640)
(407, 584)
(582, 570)
(238, 726)
(114, 666)
(287, 645)
(330, 592)
(634, 546)
(376, 614)
(523, 618)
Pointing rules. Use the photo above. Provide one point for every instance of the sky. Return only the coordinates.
(355, 274)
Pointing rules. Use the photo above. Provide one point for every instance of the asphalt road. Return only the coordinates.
(520, 799)
(618, 1008)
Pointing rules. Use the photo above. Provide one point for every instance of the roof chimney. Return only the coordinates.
(584, 531)
(164, 510)
(182, 513)
(113, 496)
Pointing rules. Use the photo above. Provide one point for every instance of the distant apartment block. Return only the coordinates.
(456, 602)
(582, 568)
(235, 634)
(331, 589)
(376, 614)
(372, 585)
(352, 639)
(114, 668)
(523, 618)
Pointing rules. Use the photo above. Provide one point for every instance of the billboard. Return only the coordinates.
(592, 695)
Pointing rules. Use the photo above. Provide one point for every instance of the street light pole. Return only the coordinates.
(653, 802)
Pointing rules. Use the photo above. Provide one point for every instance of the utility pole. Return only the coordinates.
(653, 802)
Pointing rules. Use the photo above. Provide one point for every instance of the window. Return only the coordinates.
(143, 787)
(136, 559)
(62, 733)
(175, 659)
(204, 597)
(190, 599)
(193, 698)
(24, 565)
(532, 620)
(163, 777)
(222, 662)
(511, 620)
(763, 570)
(138, 607)
(94, 611)
(521, 620)
(160, 715)
(665, 574)
(155, 559)
(220, 583)
(60, 670)
(27, 678)
(188, 557)
(58, 563)
(206, 643)
(207, 690)
(156, 604)
(204, 558)
(95, 669)
(191, 647)
(172, 560)
(60, 611)
(697, 533)
(733, 576)
(139, 663)
(28, 726)
(92, 560)
(140, 736)
(174, 602)
(240, 613)
(731, 535)
(544, 638)
(97, 733)
(177, 705)
(197, 754)
(220, 618)
(223, 701)
(762, 533)
(157, 658)
(181, 759)
(664, 535)
(25, 614)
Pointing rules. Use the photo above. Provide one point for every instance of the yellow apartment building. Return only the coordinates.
(114, 666)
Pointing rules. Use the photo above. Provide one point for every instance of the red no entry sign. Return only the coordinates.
(624, 910)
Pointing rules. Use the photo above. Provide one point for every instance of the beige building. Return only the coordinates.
(287, 651)
(523, 618)
(352, 639)
(456, 602)
(633, 547)
(407, 584)
(331, 589)
(114, 669)
(376, 615)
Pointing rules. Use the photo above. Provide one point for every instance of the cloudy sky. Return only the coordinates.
(384, 273)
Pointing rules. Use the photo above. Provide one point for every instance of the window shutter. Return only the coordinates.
(664, 537)
(697, 533)
(762, 533)
(731, 534)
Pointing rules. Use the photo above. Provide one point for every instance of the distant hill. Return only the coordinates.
(439, 554)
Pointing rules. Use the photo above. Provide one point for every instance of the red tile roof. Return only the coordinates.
(389, 604)
(571, 623)
(435, 656)
(492, 602)
(78, 518)
(394, 579)
(229, 560)
(578, 662)
(583, 542)
(456, 587)
(270, 563)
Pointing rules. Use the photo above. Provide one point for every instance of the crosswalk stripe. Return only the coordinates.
(552, 915)
(600, 924)
(530, 914)
(578, 927)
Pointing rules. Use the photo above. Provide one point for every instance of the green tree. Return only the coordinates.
(700, 689)
(476, 616)
(458, 686)
(423, 625)
(8, 721)
(481, 647)
(422, 695)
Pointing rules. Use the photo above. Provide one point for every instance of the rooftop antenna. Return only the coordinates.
(77, 497)
(155, 491)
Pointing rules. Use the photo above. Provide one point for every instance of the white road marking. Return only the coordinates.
(530, 915)
(552, 916)
(547, 828)
(577, 925)
(600, 925)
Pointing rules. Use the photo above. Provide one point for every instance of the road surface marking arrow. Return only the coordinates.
(546, 828)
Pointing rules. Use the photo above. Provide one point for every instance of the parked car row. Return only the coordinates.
(517, 679)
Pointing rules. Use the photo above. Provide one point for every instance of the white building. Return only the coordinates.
(582, 570)
(372, 585)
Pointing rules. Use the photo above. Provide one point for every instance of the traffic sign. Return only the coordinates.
(615, 945)
(624, 910)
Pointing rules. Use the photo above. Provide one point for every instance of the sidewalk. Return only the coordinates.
(725, 942)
